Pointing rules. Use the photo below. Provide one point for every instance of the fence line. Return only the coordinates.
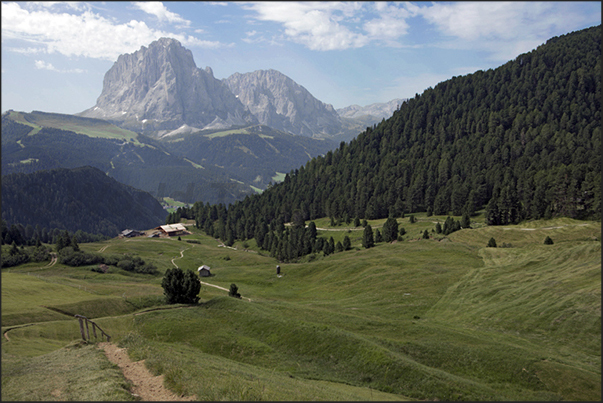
(83, 320)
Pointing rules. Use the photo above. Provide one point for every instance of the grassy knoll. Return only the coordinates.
(445, 318)
(76, 372)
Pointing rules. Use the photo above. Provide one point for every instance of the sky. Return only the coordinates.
(55, 54)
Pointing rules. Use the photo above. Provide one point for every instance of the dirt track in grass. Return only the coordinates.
(145, 385)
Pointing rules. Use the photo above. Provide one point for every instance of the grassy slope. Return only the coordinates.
(88, 127)
(419, 318)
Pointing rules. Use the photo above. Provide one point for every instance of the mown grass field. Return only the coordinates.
(443, 318)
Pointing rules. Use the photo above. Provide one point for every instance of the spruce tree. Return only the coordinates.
(367, 237)
(347, 244)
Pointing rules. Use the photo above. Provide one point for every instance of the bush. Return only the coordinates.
(492, 243)
(548, 240)
(234, 291)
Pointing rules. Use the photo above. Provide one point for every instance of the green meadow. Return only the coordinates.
(88, 127)
(444, 318)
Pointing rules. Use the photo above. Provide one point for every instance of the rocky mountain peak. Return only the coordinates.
(160, 88)
(279, 102)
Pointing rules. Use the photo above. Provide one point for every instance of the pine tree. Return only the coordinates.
(390, 230)
(367, 237)
(347, 244)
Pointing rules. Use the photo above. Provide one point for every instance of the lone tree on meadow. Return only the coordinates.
(548, 240)
(180, 286)
(492, 243)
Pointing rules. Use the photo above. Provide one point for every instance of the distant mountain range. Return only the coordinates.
(160, 91)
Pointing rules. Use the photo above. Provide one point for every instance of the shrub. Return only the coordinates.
(234, 291)
(492, 243)
(548, 240)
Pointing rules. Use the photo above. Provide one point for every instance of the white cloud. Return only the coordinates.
(85, 33)
(505, 29)
(157, 9)
(317, 25)
(42, 65)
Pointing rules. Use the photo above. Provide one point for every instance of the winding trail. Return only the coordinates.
(181, 256)
(144, 385)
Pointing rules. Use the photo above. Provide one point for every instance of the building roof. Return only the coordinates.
(203, 267)
(173, 227)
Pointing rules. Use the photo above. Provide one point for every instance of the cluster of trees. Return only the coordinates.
(14, 255)
(69, 253)
(180, 286)
(30, 235)
(451, 225)
(522, 140)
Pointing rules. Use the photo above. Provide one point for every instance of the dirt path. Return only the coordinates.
(145, 385)
(181, 256)
(221, 288)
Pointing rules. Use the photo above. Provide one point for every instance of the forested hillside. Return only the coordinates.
(77, 199)
(144, 165)
(522, 140)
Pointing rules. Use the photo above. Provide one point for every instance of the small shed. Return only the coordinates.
(204, 271)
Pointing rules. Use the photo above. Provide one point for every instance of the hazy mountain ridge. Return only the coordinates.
(380, 110)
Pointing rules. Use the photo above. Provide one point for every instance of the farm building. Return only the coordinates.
(204, 271)
(129, 233)
(172, 229)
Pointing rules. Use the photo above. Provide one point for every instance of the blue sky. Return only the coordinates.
(55, 55)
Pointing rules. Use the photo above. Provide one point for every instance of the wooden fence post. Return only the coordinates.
(82, 329)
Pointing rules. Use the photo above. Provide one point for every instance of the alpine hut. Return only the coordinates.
(204, 271)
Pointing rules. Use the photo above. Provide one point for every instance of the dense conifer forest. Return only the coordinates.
(81, 199)
(522, 141)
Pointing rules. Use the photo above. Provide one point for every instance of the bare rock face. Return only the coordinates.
(160, 88)
(279, 102)
(378, 110)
